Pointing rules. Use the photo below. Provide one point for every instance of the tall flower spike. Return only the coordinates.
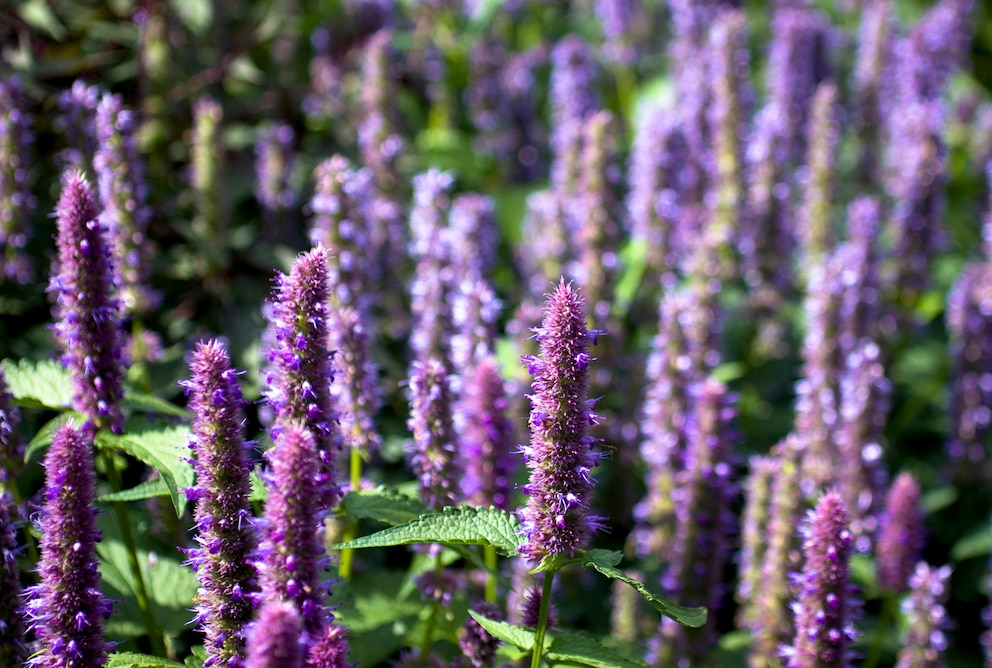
(12, 648)
(925, 641)
(66, 609)
(11, 444)
(223, 514)
(16, 201)
(274, 160)
(489, 438)
(300, 371)
(754, 530)
(205, 158)
(292, 545)
(275, 639)
(561, 455)
(435, 458)
(573, 97)
(76, 122)
(824, 610)
(87, 312)
(355, 388)
(900, 540)
(121, 177)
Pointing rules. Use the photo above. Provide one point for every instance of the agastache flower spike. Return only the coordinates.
(275, 639)
(223, 513)
(87, 312)
(16, 201)
(754, 528)
(435, 458)
(66, 609)
(488, 441)
(274, 160)
(900, 539)
(12, 648)
(292, 547)
(573, 99)
(300, 372)
(925, 641)
(11, 444)
(75, 121)
(824, 610)
(120, 174)
(561, 455)
(355, 388)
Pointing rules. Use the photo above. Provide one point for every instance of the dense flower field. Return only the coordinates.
(495, 333)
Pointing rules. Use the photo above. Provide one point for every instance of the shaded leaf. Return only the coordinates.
(146, 490)
(165, 450)
(149, 403)
(382, 504)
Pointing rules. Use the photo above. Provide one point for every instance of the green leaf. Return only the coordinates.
(165, 450)
(560, 646)
(146, 490)
(605, 562)
(518, 636)
(259, 493)
(149, 403)
(976, 544)
(39, 15)
(44, 437)
(135, 660)
(196, 15)
(44, 384)
(452, 526)
(382, 504)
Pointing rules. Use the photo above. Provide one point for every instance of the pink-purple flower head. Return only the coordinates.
(900, 540)
(435, 458)
(66, 609)
(561, 454)
(87, 309)
(276, 637)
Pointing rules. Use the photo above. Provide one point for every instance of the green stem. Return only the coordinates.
(542, 621)
(140, 591)
(884, 623)
(489, 554)
(351, 528)
(428, 641)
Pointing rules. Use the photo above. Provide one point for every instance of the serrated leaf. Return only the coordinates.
(44, 437)
(135, 660)
(517, 636)
(149, 403)
(259, 493)
(146, 490)
(44, 384)
(452, 526)
(585, 650)
(382, 504)
(605, 562)
(165, 450)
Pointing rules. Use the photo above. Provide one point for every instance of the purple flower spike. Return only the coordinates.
(824, 610)
(66, 609)
(274, 160)
(223, 513)
(292, 546)
(329, 649)
(489, 438)
(435, 458)
(355, 388)
(925, 642)
(573, 98)
(76, 122)
(12, 648)
(275, 639)
(16, 201)
(121, 178)
(754, 532)
(477, 645)
(900, 540)
(300, 372)
(87, 312)
(561, 455)
(11, 444)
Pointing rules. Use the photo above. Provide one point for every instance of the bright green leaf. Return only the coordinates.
(39, 15)
(194, 14)
(149, 489)
(577, 648)
(44, 437)
(134, 660)
(605, 562)
(517, 636)
(382, 504)
(165, 450)
(452, 526)
(259, 493)
(44, 384)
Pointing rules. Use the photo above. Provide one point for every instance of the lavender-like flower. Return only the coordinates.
(824, 609)
(11, 444)
(223, 514)
(121, 177)
(474, 311)
(969, 322)
(477, 645)
(12, 648)
(87, 311)
(867, 80)
(545, 219)
(435, 458)
(292, 546)
(704, 524)
(561, 455)
(488, 441)
(573, 97)
(474, 234)
(341, 208)
(617, 18)
(300, 374)
(861, 301)
(16, 201)
(329, 648)
(900, 539)
(355, 388)
(274, 160)
(76, 121)
(380, 142)
(754, 530)
(925, 641)
(276, 638)
(816, 233)
(66, 609)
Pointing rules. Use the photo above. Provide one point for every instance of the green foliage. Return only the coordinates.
(165, 450)
(148, 489)
(382, 504)
(134, 660)
(44, 384)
